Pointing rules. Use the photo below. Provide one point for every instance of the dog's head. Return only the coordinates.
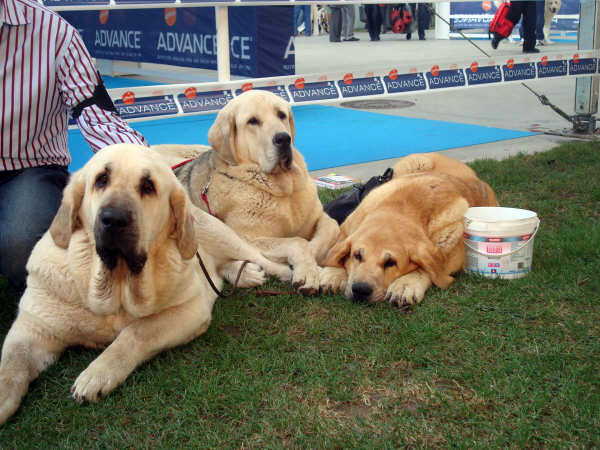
(374, 256)
(553, 6)
(128, 202)
(256, 127)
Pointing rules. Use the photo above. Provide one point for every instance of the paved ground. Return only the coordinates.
(507, 106)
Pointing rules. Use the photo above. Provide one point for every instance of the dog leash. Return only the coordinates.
(541, 97)
(224, 294)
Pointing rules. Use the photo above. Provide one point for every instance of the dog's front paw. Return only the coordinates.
(332, 279)
(11, 392)
(408, 289)
(94, 383)
(252, 275)
(305, 279)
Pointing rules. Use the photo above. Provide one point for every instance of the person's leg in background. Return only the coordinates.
(335, 24)
(373, 21)
(529, 26)
(307, 20)
(297, 18)
(348, 23)
(386, 11)
(29, 199)
(423, 20)
(539, 21)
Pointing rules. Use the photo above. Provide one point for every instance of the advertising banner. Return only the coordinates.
(261, 38)
(466, 16)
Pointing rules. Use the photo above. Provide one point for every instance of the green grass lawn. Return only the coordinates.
(485, 363)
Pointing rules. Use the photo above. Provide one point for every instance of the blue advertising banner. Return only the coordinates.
(478, 15)
(193, 102)
(514, 72)
(483, 75)
(547, 68)
(278, 90)
(261, 38)
(584, 65)
(440, 79)
(53, 3)
(359, 87)
(130, 107)
(322, 90)
(405, 83)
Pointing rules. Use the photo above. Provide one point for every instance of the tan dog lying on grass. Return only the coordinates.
(406, 233)
(117, 268)
(256, 181)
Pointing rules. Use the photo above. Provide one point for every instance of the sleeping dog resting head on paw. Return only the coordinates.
(408, 233)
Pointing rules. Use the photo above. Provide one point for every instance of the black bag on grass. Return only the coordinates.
(342, 207)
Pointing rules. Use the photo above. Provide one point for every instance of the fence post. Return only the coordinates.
(442, 29)
(222, 25)
(586, 88)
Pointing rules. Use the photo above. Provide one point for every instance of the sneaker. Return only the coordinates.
(531, 50)
(496, 40)
(352, 39)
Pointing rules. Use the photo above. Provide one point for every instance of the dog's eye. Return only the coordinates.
(281, 115)
(101, 180)
(147, 187)
(253, 121)
(358, 256)
(389, 263)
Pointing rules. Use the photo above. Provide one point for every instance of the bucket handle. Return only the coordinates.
(537, 227)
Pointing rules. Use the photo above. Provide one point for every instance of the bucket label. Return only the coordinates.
(502, 257)
(497, 239)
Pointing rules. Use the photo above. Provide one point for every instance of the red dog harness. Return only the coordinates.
(204, 190)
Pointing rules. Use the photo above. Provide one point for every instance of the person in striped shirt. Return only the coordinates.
(46, 73)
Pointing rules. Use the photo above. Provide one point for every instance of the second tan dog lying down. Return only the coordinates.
(407, 233)
(256, 181)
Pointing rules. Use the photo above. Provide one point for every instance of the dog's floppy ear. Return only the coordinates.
(222, 133)
(427, 256)
(338, 253)
(66, 220)
(184, 226)
(292, 124)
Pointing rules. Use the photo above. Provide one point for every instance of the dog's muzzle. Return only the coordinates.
(283, 143)
(116, 236)
(361, 292)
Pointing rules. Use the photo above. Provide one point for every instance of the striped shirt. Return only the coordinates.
(45, 71)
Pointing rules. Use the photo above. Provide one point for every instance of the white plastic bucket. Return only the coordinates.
(499, 241)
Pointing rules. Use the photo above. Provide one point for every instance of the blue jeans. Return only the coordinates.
(29, 199)
(302, 14)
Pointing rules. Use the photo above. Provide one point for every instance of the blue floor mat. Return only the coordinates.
(121, 82)
(329, 136)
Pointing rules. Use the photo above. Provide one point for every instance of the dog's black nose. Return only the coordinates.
(361, 291)
(115, 218)
(282, 140)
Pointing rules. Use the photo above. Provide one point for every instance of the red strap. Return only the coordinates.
(182, 163)
(205, 198)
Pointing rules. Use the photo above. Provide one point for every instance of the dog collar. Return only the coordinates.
(205, 197)
(204, 190)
